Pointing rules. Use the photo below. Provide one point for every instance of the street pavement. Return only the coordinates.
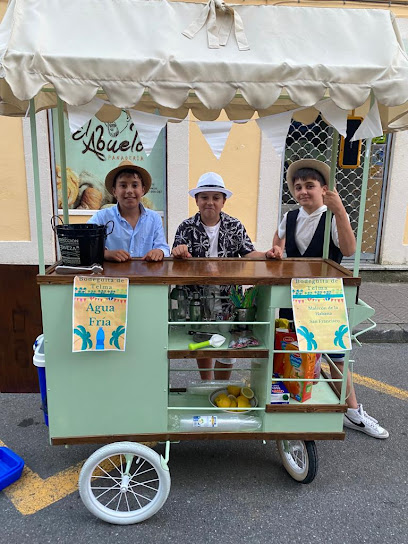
(390, 301)
(230, 492)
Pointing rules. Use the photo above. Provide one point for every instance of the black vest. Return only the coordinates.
(315, 248)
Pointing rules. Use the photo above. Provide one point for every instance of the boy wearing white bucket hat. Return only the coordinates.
(138, 231)
(301, 233)
(213, 233)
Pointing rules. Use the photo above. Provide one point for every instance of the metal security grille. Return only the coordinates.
(314, 141)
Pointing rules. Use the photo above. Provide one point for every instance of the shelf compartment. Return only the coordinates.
(179, 340)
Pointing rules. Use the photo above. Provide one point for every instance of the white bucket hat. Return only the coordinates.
(210, 181)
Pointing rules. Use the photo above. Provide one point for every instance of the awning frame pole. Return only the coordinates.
(63, 159)
(363, 197)
(361, 212)
(37, 190)
(333, 165)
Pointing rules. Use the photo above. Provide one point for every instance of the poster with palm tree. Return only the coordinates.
(320, 315)
(99, 316)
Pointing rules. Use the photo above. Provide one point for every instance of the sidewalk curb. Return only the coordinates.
(384, 333)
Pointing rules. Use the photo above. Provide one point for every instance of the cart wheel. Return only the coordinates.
(124, 483)
(299, 457)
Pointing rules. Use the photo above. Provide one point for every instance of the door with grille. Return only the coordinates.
(314, 141)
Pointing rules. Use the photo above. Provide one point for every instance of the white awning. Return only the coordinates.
(134, 53)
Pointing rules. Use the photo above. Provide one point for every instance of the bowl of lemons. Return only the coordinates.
(234, 398)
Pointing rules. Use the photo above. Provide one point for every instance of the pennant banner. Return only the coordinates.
(371, 126)
(99, 315)
(335, 116)
(216, 134)
(149, 127)
(276, 127)
(79, 115)
(320, 315)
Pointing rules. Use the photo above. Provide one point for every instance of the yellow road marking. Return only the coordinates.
(380, 386)
(32, 493)
(376, 385)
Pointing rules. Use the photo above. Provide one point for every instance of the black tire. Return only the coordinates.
(299, 457)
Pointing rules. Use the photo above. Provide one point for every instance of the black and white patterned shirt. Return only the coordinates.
(233, 240)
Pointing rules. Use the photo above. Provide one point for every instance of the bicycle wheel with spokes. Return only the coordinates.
(124, 483)
(299, 457)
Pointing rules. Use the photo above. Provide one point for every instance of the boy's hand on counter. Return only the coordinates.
(275, 253)
(154, 255)
(116, 255)
(181, 252)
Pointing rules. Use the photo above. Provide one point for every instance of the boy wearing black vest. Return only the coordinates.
(301, 233)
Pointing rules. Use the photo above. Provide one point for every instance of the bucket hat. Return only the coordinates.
(321, 167)
(128, 165)
(210, 181)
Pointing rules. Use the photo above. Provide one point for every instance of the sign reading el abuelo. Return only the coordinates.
(96, 148)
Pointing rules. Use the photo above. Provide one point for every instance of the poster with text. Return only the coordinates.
(320, 315)
(98, 147)
(99, 316)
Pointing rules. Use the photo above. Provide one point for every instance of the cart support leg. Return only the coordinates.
(165, 459)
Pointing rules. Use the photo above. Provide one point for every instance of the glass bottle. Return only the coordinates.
(195, 310)
(178, 304)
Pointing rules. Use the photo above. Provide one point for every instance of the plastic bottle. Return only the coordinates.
(178, 304)
(214, 422)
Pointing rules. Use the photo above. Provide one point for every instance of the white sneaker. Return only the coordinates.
(359, 420)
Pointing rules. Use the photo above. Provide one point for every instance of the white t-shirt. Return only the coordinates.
(212, 233)
(306, 225)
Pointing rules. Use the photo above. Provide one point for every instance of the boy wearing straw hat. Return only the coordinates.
(213, 233)
(138, 231)
(301, 233)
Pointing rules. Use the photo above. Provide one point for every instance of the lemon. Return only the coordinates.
(224, 403)
(234, 390)
(243, 402)
(220, 396)
(247, 392)
(234, 403)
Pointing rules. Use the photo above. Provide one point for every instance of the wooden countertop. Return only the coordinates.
(212, 271)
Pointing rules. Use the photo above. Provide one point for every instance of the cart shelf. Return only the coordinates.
(179, 339)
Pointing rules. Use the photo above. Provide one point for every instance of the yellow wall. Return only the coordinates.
(238, 166)
(14, 218)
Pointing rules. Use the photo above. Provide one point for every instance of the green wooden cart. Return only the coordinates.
(125, 398)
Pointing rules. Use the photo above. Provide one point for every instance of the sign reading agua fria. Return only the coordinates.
(99, 313)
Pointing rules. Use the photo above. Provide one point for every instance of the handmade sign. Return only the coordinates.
(320, 315)
(99, 315)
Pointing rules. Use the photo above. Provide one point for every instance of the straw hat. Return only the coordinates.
(321, 167)
(210, 181)
(128, 165)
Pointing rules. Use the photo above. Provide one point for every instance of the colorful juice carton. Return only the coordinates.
(283, 337)
(279, 393)
(299, 365)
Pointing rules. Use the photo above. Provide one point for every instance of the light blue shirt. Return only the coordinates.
(148, 233)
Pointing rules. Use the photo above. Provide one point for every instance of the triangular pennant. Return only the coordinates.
(79, 115)
(371, 126)
(276, 127)
(216, 134)
(334, 115)
(148, 126)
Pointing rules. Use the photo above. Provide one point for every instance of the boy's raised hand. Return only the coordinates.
(333, 201)
(117, 255)
(154, 255)
(181, 252)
